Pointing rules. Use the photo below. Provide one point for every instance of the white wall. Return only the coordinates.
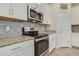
(53, 14)
(75, 14)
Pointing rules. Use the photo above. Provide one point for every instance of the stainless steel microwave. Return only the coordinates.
(33, 15)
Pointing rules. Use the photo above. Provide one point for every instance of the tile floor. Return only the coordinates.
(65, 52)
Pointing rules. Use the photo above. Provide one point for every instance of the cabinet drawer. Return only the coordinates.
(20, 46)
(24, 52)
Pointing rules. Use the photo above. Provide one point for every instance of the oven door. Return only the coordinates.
(41, 46)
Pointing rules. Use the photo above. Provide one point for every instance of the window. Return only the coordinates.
(63, 6)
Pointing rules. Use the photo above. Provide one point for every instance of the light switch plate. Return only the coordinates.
(7, 28)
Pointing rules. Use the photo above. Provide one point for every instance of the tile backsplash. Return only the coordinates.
(15, 28)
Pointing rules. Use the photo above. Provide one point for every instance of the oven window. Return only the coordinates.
(41, 46)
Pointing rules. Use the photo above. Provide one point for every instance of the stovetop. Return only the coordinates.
(41, 35)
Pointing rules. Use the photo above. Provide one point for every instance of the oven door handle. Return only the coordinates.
(40, 39)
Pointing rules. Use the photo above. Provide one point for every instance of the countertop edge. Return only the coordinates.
(30, 38)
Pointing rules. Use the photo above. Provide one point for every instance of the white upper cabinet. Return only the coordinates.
(32, 5)
(46, 14)
(19, 11)
(40, 7)
(14, 10)
(5, 9)
(45, 9)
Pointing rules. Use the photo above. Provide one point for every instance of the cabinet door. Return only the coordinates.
(52, 42)
(4, 9)
(26, 51)
(23, 49)
(46, 13)
(32, 5)
(19, 11)
(40, 7)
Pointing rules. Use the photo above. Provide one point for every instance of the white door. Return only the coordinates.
(64, 28)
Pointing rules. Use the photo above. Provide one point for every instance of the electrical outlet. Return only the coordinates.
(7, 28)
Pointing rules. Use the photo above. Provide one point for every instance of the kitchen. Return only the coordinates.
(35, 29)
(22, 26)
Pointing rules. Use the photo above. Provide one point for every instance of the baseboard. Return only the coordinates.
(64, 47)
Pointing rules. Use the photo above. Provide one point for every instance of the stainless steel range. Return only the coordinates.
(41, 45)
(41, 42)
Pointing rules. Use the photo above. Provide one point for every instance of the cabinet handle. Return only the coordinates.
(15, 48)
(9, 11)
(12, 11)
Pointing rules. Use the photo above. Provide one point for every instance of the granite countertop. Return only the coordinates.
(13, 40)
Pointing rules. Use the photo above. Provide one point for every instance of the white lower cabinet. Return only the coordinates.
(25, 48)
(52, 41)
(26, 52)
(75, 39)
